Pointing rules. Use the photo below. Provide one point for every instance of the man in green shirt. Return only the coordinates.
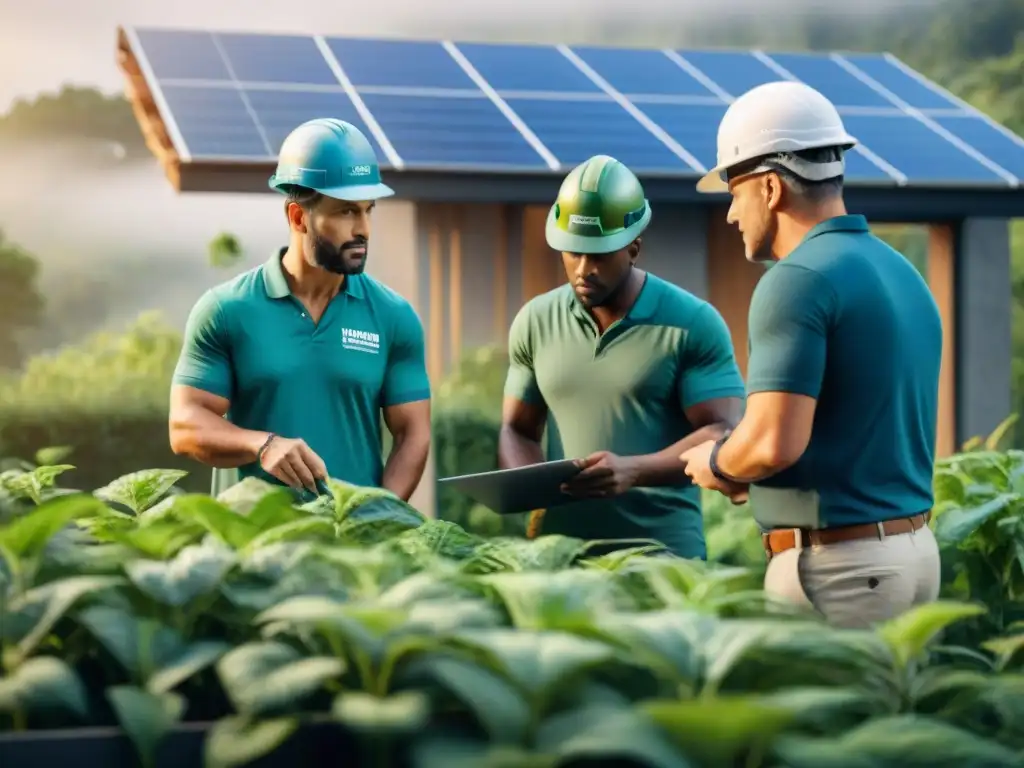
(286, 369)
(838, 440)
(625, 371)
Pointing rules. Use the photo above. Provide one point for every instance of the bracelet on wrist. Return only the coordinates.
(713, 461)
(263, 448)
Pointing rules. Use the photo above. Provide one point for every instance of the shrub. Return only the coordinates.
(143, 606)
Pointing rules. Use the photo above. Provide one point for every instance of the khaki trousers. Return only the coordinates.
(855, 584)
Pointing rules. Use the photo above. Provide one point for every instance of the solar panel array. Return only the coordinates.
(537, 108)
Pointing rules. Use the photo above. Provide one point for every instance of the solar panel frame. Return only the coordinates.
(927, 104)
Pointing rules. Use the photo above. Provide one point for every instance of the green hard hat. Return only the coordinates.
(600, 208)
(331, 157)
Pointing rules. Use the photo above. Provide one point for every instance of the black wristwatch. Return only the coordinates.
(713, 460)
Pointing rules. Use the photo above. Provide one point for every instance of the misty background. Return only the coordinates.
(112, 237)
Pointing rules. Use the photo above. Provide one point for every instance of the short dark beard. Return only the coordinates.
(332, 259)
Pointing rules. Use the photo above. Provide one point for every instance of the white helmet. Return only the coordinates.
(773, 120)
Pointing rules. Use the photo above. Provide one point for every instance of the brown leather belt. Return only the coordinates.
(781, 539)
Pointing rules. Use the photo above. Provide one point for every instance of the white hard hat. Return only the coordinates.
(775, 119)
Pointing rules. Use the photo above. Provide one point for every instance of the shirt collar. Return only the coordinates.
(277, 284)
(643, 308)
(851, 222)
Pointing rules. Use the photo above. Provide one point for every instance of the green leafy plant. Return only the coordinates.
(146, 607)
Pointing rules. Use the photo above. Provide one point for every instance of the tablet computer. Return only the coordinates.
(524, 489)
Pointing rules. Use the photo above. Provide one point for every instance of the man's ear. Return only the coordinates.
(634, 249)
(774, 190)
(296, 218)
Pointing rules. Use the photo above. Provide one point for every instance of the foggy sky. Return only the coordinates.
(45, 43)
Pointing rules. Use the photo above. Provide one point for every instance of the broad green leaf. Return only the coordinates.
(909, 633)
(195, 571)
(192, 660)
(537, 661)
(437, 617)
(31, 617)
(28, 535)
(956, 524)
(1005, 648)
(545, 553)
(52, 455)
(239, 741)
(398, 715)
(158, 540)
(440, 752)
(760, 655)
(671, 643)
(146, 717)
(423, 587)
(304, 529)
(41, 685)
(32, 484)
(495, 702)
(275, 509)
(142, 646)
(897, 742)
(274, 561)
(540, 600)
(719, 730)
(271, 678)
(242, 497)
(949, 487)
(608, 733)
(140, 490)
(233, 529)
(437, 538)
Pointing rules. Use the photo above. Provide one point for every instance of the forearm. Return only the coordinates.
(664, 467)
(750, 456)
(517, 450)
(213, 440)
(406, 462)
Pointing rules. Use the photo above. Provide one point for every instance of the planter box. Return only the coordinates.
(312, 745)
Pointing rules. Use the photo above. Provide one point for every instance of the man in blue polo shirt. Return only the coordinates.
(838, 441)
(286, 369)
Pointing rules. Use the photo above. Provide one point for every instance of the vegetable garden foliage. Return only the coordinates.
(145, 606)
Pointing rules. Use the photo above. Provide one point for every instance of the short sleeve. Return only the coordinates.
(709, 368)
(205, 359)
(406, 379)
(521, 381)
(791, 313)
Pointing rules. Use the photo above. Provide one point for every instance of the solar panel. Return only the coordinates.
(582, 129)
(917, 150)
(278, 112)
(911, 88)
(432, 131)
(734, 71)
(526, 68)
(289, 59)
(991, 140)
(434, 105)
(839, 85)
(635, 72)
(398, 63)
(175, 55)
(215, 122)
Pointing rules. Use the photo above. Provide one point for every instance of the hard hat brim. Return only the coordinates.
(712, 182)
(353, 193)
(359, 192)
(560, 240)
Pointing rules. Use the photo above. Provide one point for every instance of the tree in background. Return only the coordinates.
(225, 250)
(21, 303)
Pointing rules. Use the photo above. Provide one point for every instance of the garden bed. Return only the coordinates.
(142, 626)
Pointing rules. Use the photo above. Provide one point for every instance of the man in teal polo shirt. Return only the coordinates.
(838, 440)
(625, 371)
(304, 353)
